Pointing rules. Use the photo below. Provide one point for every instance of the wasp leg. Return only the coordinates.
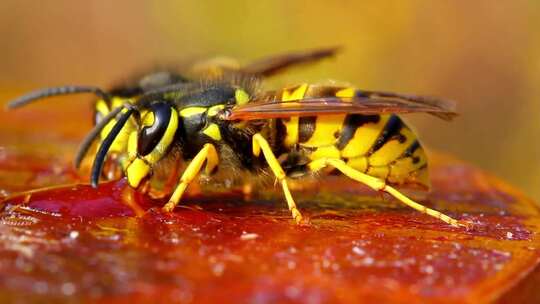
(260, 143)
(380, 185)
(207, 154)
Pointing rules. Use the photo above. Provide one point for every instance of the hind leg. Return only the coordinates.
(380, 185)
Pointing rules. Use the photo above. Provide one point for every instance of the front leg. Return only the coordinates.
(209, 154)
(260, 143)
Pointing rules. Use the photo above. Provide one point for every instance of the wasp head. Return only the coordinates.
(151, 142)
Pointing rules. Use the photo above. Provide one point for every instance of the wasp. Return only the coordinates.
(221, 119)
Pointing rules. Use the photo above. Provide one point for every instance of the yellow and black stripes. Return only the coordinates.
(378, 145)
(351, 124)
(390, 131)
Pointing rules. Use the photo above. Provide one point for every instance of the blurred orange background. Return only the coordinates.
(484, 54)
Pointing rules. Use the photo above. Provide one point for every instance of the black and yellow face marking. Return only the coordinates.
(151, 142)
(304, 129)
(102, 108)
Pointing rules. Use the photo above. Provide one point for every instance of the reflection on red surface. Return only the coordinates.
(112, 243)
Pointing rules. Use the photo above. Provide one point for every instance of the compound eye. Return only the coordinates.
(154, 125)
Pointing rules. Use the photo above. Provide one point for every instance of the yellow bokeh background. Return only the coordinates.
(484, 54)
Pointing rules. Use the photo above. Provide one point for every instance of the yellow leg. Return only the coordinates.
(380, 185)
(209, 154)
(260, 143)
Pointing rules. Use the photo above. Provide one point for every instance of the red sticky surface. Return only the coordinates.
(114, 245)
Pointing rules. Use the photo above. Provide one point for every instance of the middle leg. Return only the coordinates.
(260, 143)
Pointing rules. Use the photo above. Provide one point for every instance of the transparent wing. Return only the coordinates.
(272, 65)
(321, 100)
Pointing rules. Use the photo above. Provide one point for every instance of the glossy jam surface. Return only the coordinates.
(114, 245)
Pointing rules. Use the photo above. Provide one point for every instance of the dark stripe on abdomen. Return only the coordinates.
(390, 131)
(350, 124)
(410, 151)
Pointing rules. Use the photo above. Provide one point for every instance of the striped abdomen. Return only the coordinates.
(378, 145)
